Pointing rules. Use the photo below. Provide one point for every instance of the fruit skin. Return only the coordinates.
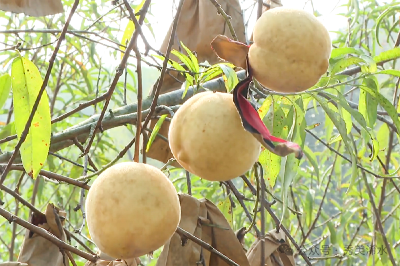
(132, 209)
(207, 138)
(291, 50)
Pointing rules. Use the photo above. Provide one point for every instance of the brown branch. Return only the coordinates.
(275, 218)
(378, 219)
(124, 115)
(240, 197)
(52, 175)
(42, 89)
(164, 67)
(226, 17)
(259, 8)
(321, 203)
(139, 102)
(341, 155)
(46, 235)
(297, 214)
(118, 73)
(205, 245)
(21, 200)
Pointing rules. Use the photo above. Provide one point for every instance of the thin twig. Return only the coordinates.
(260, 177)
(118, 73)
(119, 156)
(321, 203)
(164, 67)
(341, 155)
(189, 183)
(378, 218)
(205, 245)
(46, 235)
(240, 198)
(275, 218)
(259, 8)
(226, 17)
(52, 175)
(39, 96)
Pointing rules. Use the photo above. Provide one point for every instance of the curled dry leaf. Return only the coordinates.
(252, 122)
(277, 251)
(36, 250)
(230, 50)
(204, 220)
(36, 8)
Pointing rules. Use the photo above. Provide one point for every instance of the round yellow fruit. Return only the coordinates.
(207, 138)
(291, 50)
(131, 210)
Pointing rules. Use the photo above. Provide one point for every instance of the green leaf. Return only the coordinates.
(193, 58)
(230, 77)
(226, 208)
(308, 206)
(344, 63)
(332, 231)
(341, 127)
(379, 20)
(155, 131)
(385, 103)
(7, 130)
(210, 73)
(390, 72)
(367, 104)
(26, 84)
(130, 28)
(336, 52)
(272, 163)
(387, 55)
(5, 86)
(263, 110)
(312, 159)
(341, 100)
(185, 59)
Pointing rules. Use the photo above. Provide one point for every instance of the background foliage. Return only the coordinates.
(348, 124)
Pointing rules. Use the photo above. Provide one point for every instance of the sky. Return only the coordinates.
(162, 10)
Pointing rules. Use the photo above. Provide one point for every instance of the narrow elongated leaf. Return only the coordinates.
(226, 208)
(308, 206)
(360, 120)
(336, 52)
(155, 131)
(341, 127)
(263, 110)
(388, 55)
(367, 105)
(230, 77)
(185, 59)
(193, 58)
(380, 19)
(26, 84)
(5, 86)
(392, 72)
(275, 120)
(130, 28)
(386, 104)
(7, 130)
(346, 62)
(312, 160)
(332, 231)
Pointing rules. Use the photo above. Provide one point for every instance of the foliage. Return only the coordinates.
(348, 124)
